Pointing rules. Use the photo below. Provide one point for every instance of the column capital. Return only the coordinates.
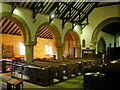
(93, 44)
(30, 43)
(60, 45)
(78, 46)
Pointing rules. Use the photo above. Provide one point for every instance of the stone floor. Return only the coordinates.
(74, 83)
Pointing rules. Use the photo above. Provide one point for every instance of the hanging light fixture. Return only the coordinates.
(52, 16)
(73, 25)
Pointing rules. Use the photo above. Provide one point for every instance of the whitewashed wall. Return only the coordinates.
(96, 16)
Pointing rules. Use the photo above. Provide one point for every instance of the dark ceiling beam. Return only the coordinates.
(109, 4)
(44, 33)
(43, 7)
(71, 6)
(65, 19)
(38, 5)
(67, 9)
(37, 9)
(28, 5)
(79, 11)
(48, 34)
(33, 5)
(12, 30)
(6, 25)
(95, 4)
(56, 4)
(5, 20)
(14, 6)
(23, 4)
(17, 32)
(41, 31)
(47, 7)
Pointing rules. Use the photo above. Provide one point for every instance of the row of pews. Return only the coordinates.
(46, 74)
(102, 77)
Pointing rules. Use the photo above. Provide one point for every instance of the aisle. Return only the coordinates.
(71, 83)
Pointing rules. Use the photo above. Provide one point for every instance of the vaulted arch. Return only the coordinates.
(72, 42)
(100, 27)
(21, 24)
(52, 40)
(101, 45)
(53, 29)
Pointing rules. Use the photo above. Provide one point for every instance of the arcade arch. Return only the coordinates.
(101, 46)
(22, 28)
(71, 45)
(53, 40)
(100, 26)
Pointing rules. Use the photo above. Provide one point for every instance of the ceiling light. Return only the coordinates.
(74, 25)
(52, 15)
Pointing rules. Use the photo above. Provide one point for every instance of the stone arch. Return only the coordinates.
(56, 35)
(54, 30)
(101, 45)
(75, 42)
(99, 28)
(74, 34)
(21, 23)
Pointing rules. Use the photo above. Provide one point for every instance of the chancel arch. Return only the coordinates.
(100, 26)
(71, 45)
(101, 46)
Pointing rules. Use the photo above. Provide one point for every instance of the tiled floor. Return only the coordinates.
(73, 83)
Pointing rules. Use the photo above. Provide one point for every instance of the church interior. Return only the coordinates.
(60, 44)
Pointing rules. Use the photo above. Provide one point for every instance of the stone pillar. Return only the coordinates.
(59, 50)
(93, 44)
(78, 51)
(115, 42)
(29, 47)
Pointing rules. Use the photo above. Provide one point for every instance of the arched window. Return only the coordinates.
(22, 49)
(83, 43)
(49, 50)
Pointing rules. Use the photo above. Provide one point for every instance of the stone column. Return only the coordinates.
(93, 44)
(59, 50)
(78, 51)
(29, 47)
(115, 42)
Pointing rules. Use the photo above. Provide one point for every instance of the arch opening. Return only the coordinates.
(70, 48)
(48, 38)
(101, 26)
(12, 35)
(101, 46)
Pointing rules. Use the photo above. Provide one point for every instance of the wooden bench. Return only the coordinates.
(14, 83)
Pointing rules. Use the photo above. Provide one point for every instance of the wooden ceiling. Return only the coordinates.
(9, 27)
(44, 32)
(67, 11)
(74, 12)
